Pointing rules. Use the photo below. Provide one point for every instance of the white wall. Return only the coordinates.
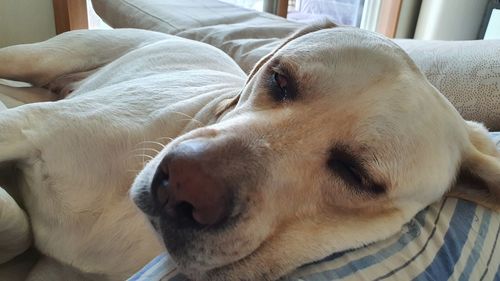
(25, 21)
(450, 19)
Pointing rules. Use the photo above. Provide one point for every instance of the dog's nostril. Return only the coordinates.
(164, 175)
(184, 213)
(160, 187)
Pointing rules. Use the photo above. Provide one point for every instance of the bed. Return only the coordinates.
(449, 240)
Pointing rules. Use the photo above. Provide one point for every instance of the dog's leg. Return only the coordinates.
(15, 230)
(72, 52)
(15, 235)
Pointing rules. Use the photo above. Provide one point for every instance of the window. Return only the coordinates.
(95, 22)
(345, 12)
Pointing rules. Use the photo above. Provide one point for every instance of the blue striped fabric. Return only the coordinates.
(449, 240)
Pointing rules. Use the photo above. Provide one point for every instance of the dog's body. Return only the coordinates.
(134, 91)
(113, 116)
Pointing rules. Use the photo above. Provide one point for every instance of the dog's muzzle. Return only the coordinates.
(184, 190)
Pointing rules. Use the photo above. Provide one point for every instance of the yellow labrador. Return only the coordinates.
(335, 140)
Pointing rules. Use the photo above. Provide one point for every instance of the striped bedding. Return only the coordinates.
(449, 240)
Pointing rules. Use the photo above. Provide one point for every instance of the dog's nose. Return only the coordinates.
(184, 188)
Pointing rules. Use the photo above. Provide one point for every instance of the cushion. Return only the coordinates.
(466, 72)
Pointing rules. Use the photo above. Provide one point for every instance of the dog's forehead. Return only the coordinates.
(332, 44)
(341, 37)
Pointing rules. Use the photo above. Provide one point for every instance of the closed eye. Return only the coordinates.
(346, 168)
(346, 171)
(345, 165)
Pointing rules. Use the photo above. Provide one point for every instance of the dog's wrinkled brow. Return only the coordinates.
(284, 66)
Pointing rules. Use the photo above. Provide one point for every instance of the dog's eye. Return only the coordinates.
(346, 170)
(281, 88)
(281, 81)
(346, 165)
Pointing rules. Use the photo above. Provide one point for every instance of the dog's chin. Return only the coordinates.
(198, 250)
(203, 265)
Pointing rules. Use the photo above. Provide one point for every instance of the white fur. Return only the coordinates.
(79, 155)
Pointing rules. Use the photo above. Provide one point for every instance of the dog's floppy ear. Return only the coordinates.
(229, 103)
(308, 29)
(226, 104)
(479, 180)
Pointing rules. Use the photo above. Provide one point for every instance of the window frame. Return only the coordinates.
(70, 15)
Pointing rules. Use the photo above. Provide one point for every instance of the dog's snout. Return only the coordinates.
(185, 189)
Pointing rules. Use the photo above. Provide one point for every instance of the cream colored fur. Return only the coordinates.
(131, 92)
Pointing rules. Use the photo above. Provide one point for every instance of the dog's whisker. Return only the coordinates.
(152, 142)
(142, 155)
(197, 124)
(144, 149)
(165, 138)
(191, 118)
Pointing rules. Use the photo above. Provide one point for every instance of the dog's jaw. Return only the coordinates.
(202, 251)
(306, 242)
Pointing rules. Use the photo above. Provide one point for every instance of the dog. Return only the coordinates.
(333, 141)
